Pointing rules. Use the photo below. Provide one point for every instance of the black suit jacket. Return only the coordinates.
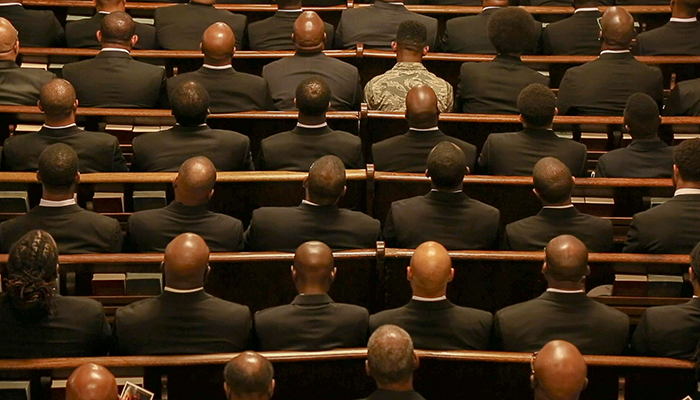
(592, 327)
(152, 230)
(182, 323)
(468, 35)
(517, 153)
(167, 150)
(21, 86)
(533, 233)
(297, 149)
(97, 151)
(229, 90)
(376, 26)
(669, 228)
(286, 228)
(674, 38)
(576, 35)
(684, 99)
(275, 32)
(284, 75)
(409, 152)
(114, 79)
(181, 27)
(311, 323)
(82, 33)
(668, 331)
(649, 158)
(439, 325)
(76, 327)
(381, 394)
(602, 86)
(641, 2)
(451, 219)
(37, 28)
(75, 230)
(493, 87)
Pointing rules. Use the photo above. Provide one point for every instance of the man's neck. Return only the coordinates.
(561, 204)
(398, 387)
(189, 202)
(687, 185)
(681, 12)
(408, 56)
(429, 295)
(52, 196)
(563, 285)
(296, 6)
(528, 126)
(10, 56)
(456, 188)
(111, 9)
(607, 46)
(52, 122)
(311, 119)
(311, 289)
(217, 63)
(116, 46)
(309, 52)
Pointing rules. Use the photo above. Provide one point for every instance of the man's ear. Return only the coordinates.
(271, 389)
(533, 381)
(134, 40)
(588, 270)
(345, 189)
(416, 361)
(585, 383)
(205, 279)
(76, 103)
(227, 390)
(467, 171)
(175, 181)
(200, 47)
(556, 111)
(210, 195)
(98, 34)
(38, 178)
(367, 368)
(38, 104)
(294, 273)
(545, 268)
(426, 49)
(333, 272)
(295, 102)
(520, 118)
(427, 173)
(393, 46)
(691, 274)
(77, 178)
(305, 182)
(452, 275)
(409, 273)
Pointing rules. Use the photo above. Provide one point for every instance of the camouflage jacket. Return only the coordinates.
(387, 92)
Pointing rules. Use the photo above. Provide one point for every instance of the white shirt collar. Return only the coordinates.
(614, 51)
(490, 8)
(435, 128)
(560, 207)
(680, 192)
(60, 127)
(323, 125)
(685, 20)
(56, 204)
(103, 12)
(200, 125)
(217, 66)
(10, 4)
(454, 191)
(182, 291)
(585, 9)
(298, 10)
(115, 49)
(429, 299)
(695, 297)
(552, 290)
(309, 203)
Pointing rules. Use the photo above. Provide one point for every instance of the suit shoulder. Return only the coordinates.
(80, 305)
(474, 313)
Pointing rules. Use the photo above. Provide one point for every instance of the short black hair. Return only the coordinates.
(642, 116)
(57, 98)
(552, 180)
(249, 373)
(326, 179)
(537, 105)
(686, 156)
(117, 27)
(390, 355)
(512, 30)
(313, 96)
(190, 103)
(58, 166)
(446, 165)
(412, 35)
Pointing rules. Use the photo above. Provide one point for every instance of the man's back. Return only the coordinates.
(641, 159)
(81, 33)
(684, 99)
(409, 152)
(387, 92)
(674, 38)
(21, 86)
(468, 35)
(275, 33)
(576, 35)
(181, 27)
(37, 28)
(669, 331)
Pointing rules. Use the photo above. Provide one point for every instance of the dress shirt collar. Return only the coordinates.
(11, 4)
(115, 49)
(429, 299)
(614, 52)
(298, 10)
(552, 290)
(182, 291)
(305, 126)
(433, 129)
(60, 127)
(681, 192)
(57, 204)
(696, 297)
(490, 8)
(446, 191)
(560, 207)
(684, 20)
(308, 203)
(103, 12)
(217, 66)
(198, 126)
(586, 9)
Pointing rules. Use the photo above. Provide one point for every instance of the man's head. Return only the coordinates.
(91, 382)
(57, 100)
(313, 96)
(494, 3)
(288, 4)
(422, 107)
(190, 103)
(194, 184)
(313, 270)
(430, 270)
(9, 40)
(186, 262)
(553, 181)
(249, 376)
(32, 268)
(218, 44)
(686, 163)
(512, 30)
(411, 37)
(684, 8)
(325, 184)
(537, 105)
(585, 3)
(642, 116)
(694, 270)
(117, 29)
(617, 29)
(309, 33)
(558, 372)
(110, 5)
(566, 261)
(390, 358)
(447, 166)
(58, 169)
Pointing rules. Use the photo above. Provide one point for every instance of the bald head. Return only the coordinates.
(117, 28)
(618, 28)
(186, 262)
(309, 32)
(430, 270)
(249, 376)
(494, 3)
(325, 184)
(421, 107)
(57, 99)
(91, 382)
(566, 260)
(684, 8)
(390, 356)
(559, 372)
(9, 42)
(553, 181)
(218, 44)
(195, 181)
(313, 270)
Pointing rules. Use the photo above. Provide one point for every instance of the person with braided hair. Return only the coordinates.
(35, 321)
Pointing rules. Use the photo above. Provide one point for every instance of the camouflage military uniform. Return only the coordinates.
(387, 92)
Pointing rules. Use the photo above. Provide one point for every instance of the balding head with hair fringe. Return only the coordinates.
(9, 40)
(553, 181)
(57, 99)
(390, 356)
(325, 184)
(117, 28)
(566, 259)
(190, 103)
(194, 184)
(249, 376)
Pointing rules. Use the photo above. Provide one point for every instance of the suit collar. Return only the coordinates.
(113, 54)
(59, 132)
(647, 144)
(508, 59)
(288, 14)
(446, 197)
(388, 6)
(424, 135)
(217, 71)
(539, 132)
(333, 208)
(304, 54)
(8, 64)
(183, 297)
(193, 4)
(50, 211)
(187, 129)
(180, 208)
(429, 305)
(616, 56)
(311, 131)
(694, 302)
(564, 297)
(558, 213)
(312, 300)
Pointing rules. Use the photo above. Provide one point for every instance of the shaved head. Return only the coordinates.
(91, 382)
(186, 262)
(309, 32)
(553, 181)
(566, 259)
(57, 98)
(559, 372)
(249, 376)
(195, 181)
(117, 28)
(326, 181)
(218, 43)
(390, 356)
(421, 107)
(8, 40)
(430, 270)
(618, 28)
(313, 267)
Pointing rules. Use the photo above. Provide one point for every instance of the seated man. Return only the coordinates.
(517, 153)
(677, 36)
(602, 86)
(181, 27)
(229, 90)
(313, 321)
(433, 322)
(36, 28)
(184, 319)
(563, 312)
(684, 99)
(249, 376)
(672, 227)
(297, 149)
(408, 152)
(97, 151)
(387, 92)
(152, 230)
(446, 214)
(75, 230)
(83, 33)
(91, 382)
(493, 87)
(20, 86)
(318, 217)
(647, 156)
(578, 34)
(469, 34)
(558, 372)
(113, 78)
(553, 186)
(190, 137)
(275, 32)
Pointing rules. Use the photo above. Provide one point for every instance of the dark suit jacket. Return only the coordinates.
(311, 323)
(182, 323)
(37, 28)
(376, 26)
(75, 230)
(114, 79)
(381, 394)
(76, 327)
(297, 149)
(468, 35)
(674, 38)
(229, 90)
(286, 228)
(493, 87)
(576, 35)
(451, 219)
(97, 151)
(649, 158)
(684, 99)
(439, 325)
(81, 34)
(167, 150)
(517, 153)
(152, 230)
(668, 331)
(181, 27)
(641, 2)
(21, 86)
(409, 152)
(602, 86)
(669, 228)
(533, 233)
(284, 75)
(592, 327)
(275, 32)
